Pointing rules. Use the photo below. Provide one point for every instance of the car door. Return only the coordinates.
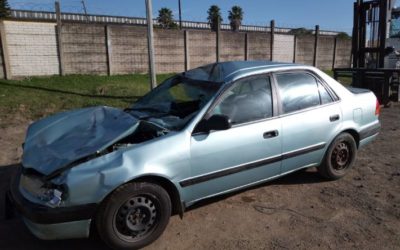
(247, 152)
(310, 118)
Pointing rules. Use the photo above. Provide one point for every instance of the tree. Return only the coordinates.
(343, 35)
(4, 9)
(235, 17)
(300, 32)
(166, 18)
(214, 17)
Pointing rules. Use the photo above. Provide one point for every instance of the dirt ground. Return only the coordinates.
(300, 211)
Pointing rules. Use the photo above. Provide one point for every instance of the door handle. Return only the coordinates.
(333, 118)
(270, 134)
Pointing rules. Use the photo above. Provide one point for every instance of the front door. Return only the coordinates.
(244, 154)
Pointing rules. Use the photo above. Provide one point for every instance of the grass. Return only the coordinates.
(40, 96)
(37, 97)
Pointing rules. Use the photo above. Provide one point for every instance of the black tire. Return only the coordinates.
(339, 158)
(133, 216)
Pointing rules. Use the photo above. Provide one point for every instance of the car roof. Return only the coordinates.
(227, 71)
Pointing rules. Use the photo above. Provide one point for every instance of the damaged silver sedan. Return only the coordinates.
(205, 132)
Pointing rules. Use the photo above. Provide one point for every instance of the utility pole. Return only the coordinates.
(85, 10)
(150, 44)
(180, 15)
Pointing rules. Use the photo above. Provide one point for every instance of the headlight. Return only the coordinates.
(35, 187)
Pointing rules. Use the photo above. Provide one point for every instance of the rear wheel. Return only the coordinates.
(134, 216)
(339, 158)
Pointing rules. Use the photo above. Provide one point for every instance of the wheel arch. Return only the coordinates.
(353, 133)
(178, 206)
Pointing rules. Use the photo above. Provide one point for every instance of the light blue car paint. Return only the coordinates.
(185, 159)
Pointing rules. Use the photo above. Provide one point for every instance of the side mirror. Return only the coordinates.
(215, 122)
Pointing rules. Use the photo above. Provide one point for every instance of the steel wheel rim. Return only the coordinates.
(136, 218)
(341, 156)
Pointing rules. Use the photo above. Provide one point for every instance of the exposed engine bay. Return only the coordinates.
(146, 131)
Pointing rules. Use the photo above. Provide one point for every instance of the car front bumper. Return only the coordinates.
(50, 223)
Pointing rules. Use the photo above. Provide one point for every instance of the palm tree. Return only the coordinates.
(214, 17)
(235, 17)
(4, 9)
(166, 18)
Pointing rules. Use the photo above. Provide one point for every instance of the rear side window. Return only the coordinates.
(298, 91)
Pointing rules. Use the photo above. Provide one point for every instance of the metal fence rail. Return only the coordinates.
(77, 17)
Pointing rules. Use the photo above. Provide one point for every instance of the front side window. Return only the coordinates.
(297, 91)
(248, 100)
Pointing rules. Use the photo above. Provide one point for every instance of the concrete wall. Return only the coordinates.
(259, 46)
(202, 47)
(343, 54)
(129, 50)
(232, 46)
(32, 49)
(325, 52)
(305, 50)
(169, 51)
(283, 48)
(84, 49)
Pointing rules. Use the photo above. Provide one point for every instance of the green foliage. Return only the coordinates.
(343, 35)
(235, 17)
(166, 19)
(214, 17)
(40, 96)
(301, 32)
(5, 10)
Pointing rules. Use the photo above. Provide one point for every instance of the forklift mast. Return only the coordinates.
(370, 53)
(370, 31)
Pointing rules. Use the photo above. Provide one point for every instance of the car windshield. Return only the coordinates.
(175, 102)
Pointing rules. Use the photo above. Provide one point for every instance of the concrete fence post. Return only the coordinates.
(5, 55)
(294, 49)
(150, 44)
(59, 38)
(246, 46)
(334, 53)
(187, 55)
(316, 35)
(272, 40)
(108, 49)
(218, 41)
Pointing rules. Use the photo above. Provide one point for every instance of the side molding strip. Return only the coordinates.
(251, 165)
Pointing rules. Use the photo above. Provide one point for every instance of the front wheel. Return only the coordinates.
(339, 157)
(134, 215)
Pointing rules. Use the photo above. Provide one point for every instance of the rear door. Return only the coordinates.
(310, 117)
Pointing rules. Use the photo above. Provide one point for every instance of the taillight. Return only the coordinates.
(377, 108)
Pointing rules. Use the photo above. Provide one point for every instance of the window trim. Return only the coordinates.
(317, 78)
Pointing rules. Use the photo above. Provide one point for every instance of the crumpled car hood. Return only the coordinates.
(58, 140)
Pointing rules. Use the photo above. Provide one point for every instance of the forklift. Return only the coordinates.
(375, 60)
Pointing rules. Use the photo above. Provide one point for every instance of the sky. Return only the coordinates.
(329, 14)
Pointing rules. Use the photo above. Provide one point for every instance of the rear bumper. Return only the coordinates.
(50, 223)
(370, 131)
(369, 134)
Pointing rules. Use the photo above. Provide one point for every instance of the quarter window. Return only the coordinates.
(325, 96)
(248, 100)
(297, 91)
